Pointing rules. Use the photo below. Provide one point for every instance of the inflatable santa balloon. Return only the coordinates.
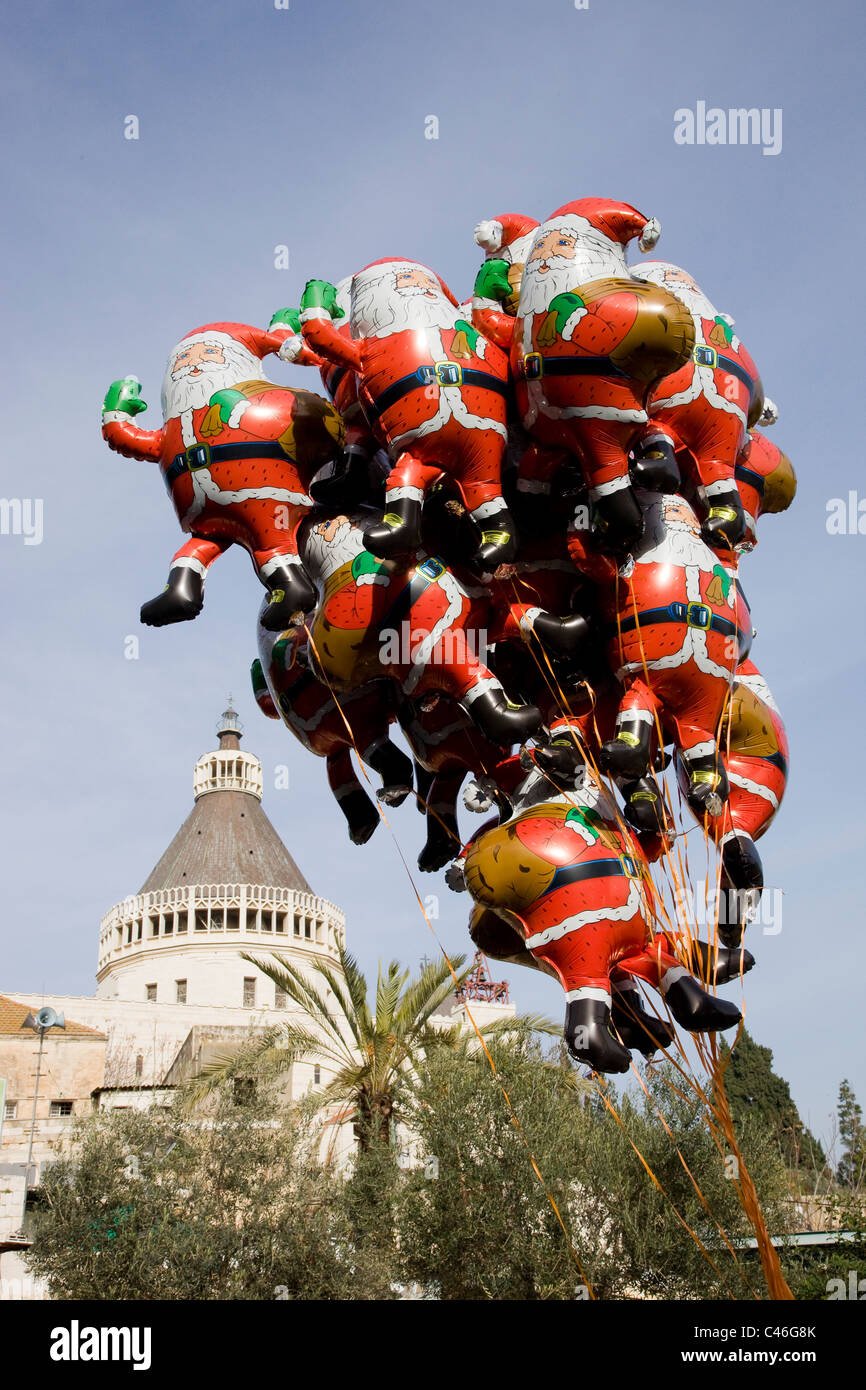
(433, 390)
(706, 406)
(237, 454)
(568, 876)
(590, 341)
(507, 239)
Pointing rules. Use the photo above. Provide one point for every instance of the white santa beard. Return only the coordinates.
(694, 299)
(378, 310)
(188, 392)
(538, 288)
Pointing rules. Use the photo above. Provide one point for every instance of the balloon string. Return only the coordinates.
(513, 1115)
(679, 877)
(695, 1237)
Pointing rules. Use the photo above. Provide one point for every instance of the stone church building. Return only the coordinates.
(172, 989)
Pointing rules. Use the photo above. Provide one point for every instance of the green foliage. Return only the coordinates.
(851, 1171)
(228, 1204)
(485, 1229)
(368, 1048)
(757, 1094)
(231, 1199)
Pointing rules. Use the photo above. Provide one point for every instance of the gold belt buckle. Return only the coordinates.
(197, 456)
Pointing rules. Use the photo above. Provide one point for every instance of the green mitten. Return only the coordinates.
(124, 396)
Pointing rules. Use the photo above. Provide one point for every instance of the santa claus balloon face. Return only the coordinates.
(201, 365)
(679, 282)
(567, 252)
(391, 299)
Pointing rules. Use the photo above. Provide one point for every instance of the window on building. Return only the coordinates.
(139, 1065)
(249, 992)
(59, 1109)
(280, 998)
(10, 1110)
(308, 929)
(317, 1075)
(180, 988)
(151, 993)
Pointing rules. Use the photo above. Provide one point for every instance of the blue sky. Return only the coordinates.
(306, 127)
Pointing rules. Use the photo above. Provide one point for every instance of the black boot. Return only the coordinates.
(619, 520)
(498, 543)
(628, 755)
(708, 785)
(562, 761)
(719, 966)
(644, 806)
(180, 601)
(443, 842)
(562, 636)
(361, 815)
(589, 1039)
(399, 531)
(637, 1027)
(343, 483)
(742, 884)
(725, 525)
(292, 592)
(394, 768)
(502, 721)
(741, 862)
(423, 782)
(655, 465)
(698, 1011)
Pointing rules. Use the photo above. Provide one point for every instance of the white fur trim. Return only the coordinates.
(605, 489)
(670, 977)
(238, 411)
(630, 908)
(488, 235)
(316, 313)
(528, 619)
(641, 715)
(488, 509)
(117, 417)
(414, 494)
(700, 750)
(650, 234)
(277, 563)
(588, 992)
(486, 683)
(291, 348)
(188, 562)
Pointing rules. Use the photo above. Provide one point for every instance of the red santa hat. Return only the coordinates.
(619, 222)
(395, 264)
(257, 341)
(500, 233)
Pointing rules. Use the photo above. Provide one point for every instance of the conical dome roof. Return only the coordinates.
(227, 838)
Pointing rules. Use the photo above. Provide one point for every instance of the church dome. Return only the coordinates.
(225, 884)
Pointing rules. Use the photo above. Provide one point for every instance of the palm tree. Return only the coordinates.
(370, 1050)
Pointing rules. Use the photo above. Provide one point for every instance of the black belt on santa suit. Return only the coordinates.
(622, 867)
(697, 615)
(533, 366)
(203, 455)
(431, 374)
